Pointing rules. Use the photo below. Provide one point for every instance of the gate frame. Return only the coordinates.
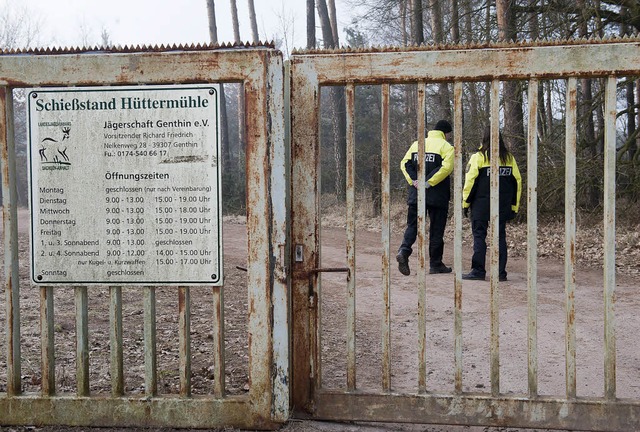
(420, 65)
(266, 405)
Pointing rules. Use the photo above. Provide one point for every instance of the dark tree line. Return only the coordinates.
(416, 22)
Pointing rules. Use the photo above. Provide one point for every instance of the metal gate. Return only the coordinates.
(311, 72)
(271, 387)
(264, 403)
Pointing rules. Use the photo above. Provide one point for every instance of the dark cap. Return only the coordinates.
(443, 126)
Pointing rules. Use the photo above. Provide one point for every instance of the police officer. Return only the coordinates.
(476, 194)
(438, 159)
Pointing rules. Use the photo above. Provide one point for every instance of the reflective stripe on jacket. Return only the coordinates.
(477, 184)
(438, 166)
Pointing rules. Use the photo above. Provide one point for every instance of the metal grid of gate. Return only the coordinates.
(310, 72)
(265, 404)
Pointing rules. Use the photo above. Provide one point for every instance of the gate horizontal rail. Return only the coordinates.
(481, 409)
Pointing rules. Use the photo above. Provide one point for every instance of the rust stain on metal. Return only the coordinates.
(181, 301)
(571, 315)
(457, 301)
(470, 46)
(3, 137)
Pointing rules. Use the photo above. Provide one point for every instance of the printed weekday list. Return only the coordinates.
(125, 185)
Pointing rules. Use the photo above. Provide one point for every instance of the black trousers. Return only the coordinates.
(437, 223)
(478, 260)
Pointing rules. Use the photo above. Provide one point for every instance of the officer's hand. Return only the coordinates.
(465, 212)
(415, 184)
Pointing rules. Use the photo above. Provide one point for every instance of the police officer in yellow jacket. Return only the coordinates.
(438, 166)
(476, 195)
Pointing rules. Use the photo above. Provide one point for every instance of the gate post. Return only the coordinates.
(305, 100)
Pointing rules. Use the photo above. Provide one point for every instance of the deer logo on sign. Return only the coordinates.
(53, 151)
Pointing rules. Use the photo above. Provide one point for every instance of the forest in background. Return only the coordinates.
(409, 23)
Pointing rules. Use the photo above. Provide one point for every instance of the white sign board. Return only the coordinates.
(125, 185)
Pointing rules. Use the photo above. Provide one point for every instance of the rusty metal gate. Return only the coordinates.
(272, 388)
(264, 403)
(311, 72)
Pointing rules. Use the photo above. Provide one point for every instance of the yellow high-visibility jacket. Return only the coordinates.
(438, 157)
(477, 185)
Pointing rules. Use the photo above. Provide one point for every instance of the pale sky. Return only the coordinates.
(71, 23)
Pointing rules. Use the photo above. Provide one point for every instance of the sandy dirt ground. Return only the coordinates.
(440, 313)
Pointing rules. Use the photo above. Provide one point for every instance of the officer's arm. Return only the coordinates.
(447, 154)
(516, 174)
(469, 180)
(407, 166)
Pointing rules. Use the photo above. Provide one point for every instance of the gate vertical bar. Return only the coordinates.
(150, 357)
(278, 372)
(305, 233)
(457, 237)
(10, 234)
(570, 236)
(610, 239)
(532, 238)
(115, 341)
(47, 341)
(184, 342)
(386, 235)
(82, 341)
(494, 254)
(218, 342)
(351, 239)
(422, 276)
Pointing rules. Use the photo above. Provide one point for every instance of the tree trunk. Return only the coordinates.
(534, 30)
(334, 23)
(416, 18)
(636, 155)
(534, 24)
(631, 115)
(376, 187)
(455, 21)
(512, 91)
(325, 24)
(235, 22)
(487, 23)
(252, 19)
(403, 20)
(241, 122)
(443, 97)
(549, 107)
(338, 115)
(487, 38)
(224, 128)
(474, 119)
(311, 24)
(213, 28)
(468, 24)
(436, 21)
(585, 113)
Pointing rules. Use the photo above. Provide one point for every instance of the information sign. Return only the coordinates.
(125, 185)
